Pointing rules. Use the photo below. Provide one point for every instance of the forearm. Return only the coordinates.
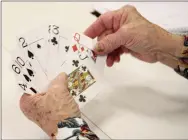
(75, 128)
(174, 52)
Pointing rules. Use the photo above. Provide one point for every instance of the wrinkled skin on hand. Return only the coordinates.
(126, 31)
(47, 109)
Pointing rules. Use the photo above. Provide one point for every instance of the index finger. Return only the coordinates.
(104, 22)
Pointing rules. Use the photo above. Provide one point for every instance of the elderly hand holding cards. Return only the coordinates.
(43, 55)
(54, 103)
(56, 112)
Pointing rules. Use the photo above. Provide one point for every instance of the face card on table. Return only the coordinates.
(35, 45)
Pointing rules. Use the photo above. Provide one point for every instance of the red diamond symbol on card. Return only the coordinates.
(74, 48)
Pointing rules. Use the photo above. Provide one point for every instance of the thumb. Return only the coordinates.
(24, 101)
(109, 43)
(58, 88)
(60, 80)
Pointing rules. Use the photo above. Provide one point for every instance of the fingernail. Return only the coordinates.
(99, 48)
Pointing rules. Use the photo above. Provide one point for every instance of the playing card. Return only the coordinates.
(69, 45)
(64, 48)
(35, 45)
(53, 31)
(72, 49)
(89, 85)
(83, 79)
(77, 42)
(77, 37)
(73, 62)
(53, 60)
(79, 80)
(28, 88)
(30, 71)
(88, 44)
(22, 74)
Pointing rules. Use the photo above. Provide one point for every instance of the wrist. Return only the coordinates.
(172, 45)
(169, 47)
(75, 128)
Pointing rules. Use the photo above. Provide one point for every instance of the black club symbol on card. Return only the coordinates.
(66, 48)
(54, 41)
(82, 98)
(30, 54)
(38, 46)
(75, 63)
(73, 93)
(84, 68)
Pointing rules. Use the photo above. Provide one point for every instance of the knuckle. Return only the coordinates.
(102, 44)
(109, 45)
(129, 8)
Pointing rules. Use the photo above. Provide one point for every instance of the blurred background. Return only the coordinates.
(146, 101)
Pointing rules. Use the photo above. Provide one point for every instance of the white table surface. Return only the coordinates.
(143, 100)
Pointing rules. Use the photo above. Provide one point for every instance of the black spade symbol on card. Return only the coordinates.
(32, 89)
(66, 48)
(82, 98)
(38, 46)
(30, 72)
(27, 78)
(30, 54)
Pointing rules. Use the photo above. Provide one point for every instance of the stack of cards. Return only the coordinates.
(49, 50)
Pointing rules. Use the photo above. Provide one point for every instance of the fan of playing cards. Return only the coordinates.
(49, 50)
